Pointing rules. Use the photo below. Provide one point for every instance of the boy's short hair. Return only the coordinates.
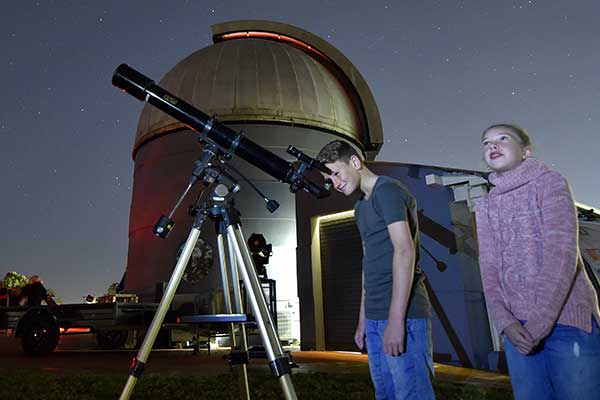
(337, 150)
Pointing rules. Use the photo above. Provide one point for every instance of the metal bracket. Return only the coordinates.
(208, 127)
(280, 366)
(137, 368)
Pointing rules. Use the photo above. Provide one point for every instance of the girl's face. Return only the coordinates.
(502, 149)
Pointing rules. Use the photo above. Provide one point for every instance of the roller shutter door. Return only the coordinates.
(341, 268)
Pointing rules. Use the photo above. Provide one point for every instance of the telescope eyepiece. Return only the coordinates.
(309, 161)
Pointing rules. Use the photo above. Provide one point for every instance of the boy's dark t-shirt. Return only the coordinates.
(390, 202)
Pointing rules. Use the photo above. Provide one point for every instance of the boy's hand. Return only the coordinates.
(359, 335)
(393, 338)
(520, 337)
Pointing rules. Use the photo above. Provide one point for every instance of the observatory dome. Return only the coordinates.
(261, 77)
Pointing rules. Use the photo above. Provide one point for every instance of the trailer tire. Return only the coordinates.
(40, 335)
(111, 339)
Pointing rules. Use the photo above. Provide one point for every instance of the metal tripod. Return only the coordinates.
(235, 260)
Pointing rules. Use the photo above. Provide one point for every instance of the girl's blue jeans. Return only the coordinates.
(565, 367)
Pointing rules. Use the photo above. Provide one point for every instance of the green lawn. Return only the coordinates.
(52, 386)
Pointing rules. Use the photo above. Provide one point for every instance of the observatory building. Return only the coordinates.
(281, 86)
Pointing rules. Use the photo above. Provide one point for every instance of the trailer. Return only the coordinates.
(39, 327)
(114, 320)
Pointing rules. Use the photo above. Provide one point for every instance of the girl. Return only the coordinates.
(536, 289)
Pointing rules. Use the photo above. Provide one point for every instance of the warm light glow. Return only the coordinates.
(74, 330)
(273, 36)
(331, 217)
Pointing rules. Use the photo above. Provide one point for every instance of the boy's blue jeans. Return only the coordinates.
(567, 367)
(407, 376)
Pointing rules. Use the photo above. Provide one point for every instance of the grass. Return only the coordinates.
(54, 386)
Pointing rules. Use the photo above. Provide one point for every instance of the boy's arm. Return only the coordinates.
(359, 335)
(403, 264)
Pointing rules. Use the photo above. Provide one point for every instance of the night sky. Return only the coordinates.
(440, 71)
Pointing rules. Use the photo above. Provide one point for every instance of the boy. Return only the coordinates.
(394, 311)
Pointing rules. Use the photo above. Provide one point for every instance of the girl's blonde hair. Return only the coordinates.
(521, 133)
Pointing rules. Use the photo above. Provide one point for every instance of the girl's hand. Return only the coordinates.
(520, 338)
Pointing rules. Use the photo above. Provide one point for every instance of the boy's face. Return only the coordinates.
(502, 150)
(345, 176)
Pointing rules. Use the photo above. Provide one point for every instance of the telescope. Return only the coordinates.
(219, 143)
(228, 140)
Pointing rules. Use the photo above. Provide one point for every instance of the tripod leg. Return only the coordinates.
(238, 305)
(137, 365)
(280, 365)
(241, 368)
(235, 280)
(224, 272)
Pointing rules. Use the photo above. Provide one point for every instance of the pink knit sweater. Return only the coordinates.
(528, 253)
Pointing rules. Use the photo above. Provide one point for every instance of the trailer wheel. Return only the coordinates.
(111, 339)
(40, 336)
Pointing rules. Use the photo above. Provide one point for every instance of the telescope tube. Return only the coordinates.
(144, 89)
